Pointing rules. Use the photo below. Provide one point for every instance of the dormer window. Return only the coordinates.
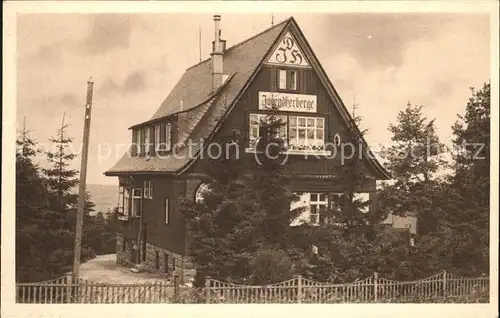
(138, 141)
(168, 136)
(287, 79)
(147, 141)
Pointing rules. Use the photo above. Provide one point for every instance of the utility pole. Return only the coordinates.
(83, 177)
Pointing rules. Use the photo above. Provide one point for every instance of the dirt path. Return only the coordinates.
(103, 269)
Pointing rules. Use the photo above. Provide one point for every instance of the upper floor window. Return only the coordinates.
(157, 136)
(287, 79)
(138, 141)
(306, 132)
(257, 131)
(147, 140)
(168, 136)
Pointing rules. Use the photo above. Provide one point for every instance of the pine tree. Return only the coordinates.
(246, 207)
(467, 217)
(414, 160)
(61, 180)
(31, 204)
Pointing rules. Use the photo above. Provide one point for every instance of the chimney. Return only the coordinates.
(218, 47)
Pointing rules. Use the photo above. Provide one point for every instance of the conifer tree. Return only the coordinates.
(414, 160)
(61, 180)
(246, 207)
(468, 208)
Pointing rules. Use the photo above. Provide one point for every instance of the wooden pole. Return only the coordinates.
(83, 177)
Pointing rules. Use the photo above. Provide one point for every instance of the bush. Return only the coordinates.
(270, 266)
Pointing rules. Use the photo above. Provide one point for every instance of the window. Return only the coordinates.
(173, 263)
(138, 141)
(292, 83)
(136, 202)
(147, 141)
(148, 189)
(306, 133)
(362, 199)
(318, 204)
(165, 260)
(123, 201)
(157, 136)
(167, 212)
(120, 200)
(202, 189)
(126, 202)
(287, 79)
(168, 136)
(282, 79)
(157, 259)
(256, 132)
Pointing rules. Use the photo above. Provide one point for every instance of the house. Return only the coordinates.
(232, 89)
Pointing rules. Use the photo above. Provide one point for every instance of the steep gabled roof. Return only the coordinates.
(204, 111)
(241, 62)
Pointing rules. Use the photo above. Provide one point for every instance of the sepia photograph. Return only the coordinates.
(267, 157)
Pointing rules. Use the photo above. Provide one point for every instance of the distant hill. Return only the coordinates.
(105, 197)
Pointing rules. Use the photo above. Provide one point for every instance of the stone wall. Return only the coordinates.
(164, 261)
(124, 250)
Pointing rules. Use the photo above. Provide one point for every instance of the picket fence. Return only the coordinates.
(67, 290)
(297, 290)
(371, 290)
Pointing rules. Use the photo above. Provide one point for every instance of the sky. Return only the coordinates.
(378, 61)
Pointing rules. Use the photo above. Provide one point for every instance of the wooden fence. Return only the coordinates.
(443, 287)
(68, 290)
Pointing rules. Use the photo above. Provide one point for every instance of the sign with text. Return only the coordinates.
(287, 102)
(288, 53)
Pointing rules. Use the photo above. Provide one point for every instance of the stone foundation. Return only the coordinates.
(124, 251)
(164, 261)
(158, 260)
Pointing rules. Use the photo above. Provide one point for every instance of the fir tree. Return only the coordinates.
(246, 207)
(61, 180)
(414, 159)
(467, 217)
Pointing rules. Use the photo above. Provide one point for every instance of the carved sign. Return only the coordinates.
(287, 102)
(288, 53)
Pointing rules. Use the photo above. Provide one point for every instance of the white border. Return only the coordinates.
(9, 309)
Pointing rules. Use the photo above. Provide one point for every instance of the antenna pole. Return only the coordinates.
(199, 39)
(272, 19)
(82, 183)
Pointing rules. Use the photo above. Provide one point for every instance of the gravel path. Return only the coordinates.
(103, 269)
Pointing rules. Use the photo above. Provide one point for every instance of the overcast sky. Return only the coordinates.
(382, 61)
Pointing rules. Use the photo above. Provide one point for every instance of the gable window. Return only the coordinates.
(167, 212)
(256, 131)
(148, 189)
(136, 202)
(287, 79)
(306, 133)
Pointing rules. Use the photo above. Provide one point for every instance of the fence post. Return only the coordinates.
(69, 289)
(176, 287)
(375, 286)
(299, 289)
(444, 283)
(207, 290)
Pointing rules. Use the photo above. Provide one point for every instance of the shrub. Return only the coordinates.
(270, 266)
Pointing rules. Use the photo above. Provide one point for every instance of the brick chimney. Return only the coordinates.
(218, 48)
